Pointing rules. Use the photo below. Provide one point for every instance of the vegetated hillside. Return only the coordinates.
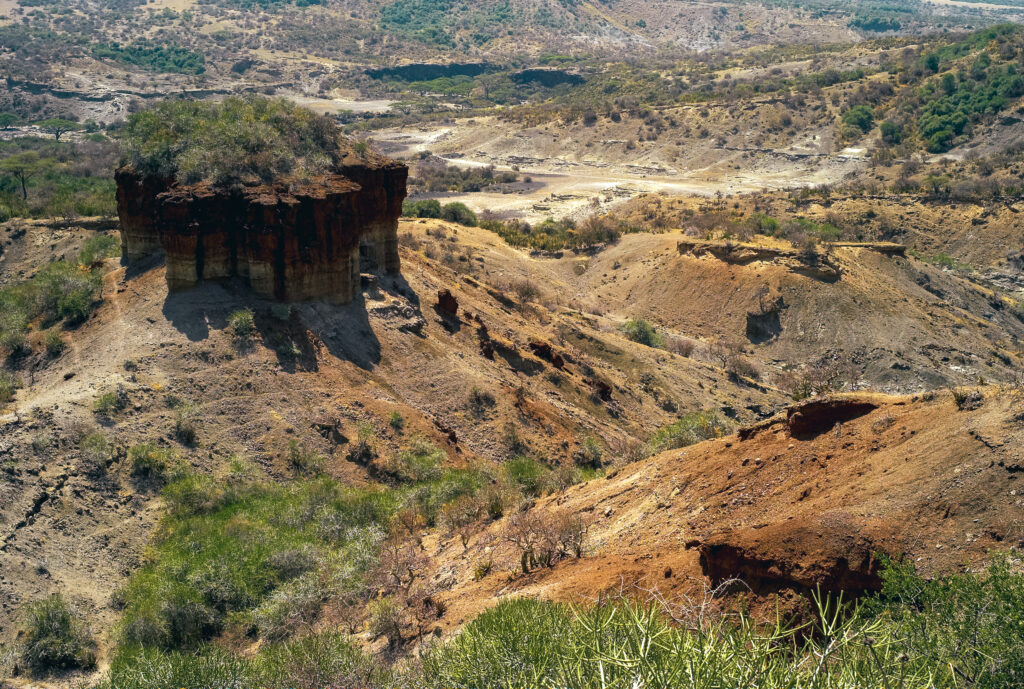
(315, 390)
(413, 412)
(321, 51)
(805, 499)
(195, 39)
(852, 120)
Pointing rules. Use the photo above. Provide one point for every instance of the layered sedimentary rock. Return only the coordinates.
(290, 240)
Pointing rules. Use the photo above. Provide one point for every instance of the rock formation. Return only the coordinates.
(289, 240)
(447, 304)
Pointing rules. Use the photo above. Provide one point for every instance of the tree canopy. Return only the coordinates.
(58, 126)
(23, 167)
(235, 141)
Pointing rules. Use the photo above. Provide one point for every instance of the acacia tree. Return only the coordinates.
(58, 127)
(23, 167)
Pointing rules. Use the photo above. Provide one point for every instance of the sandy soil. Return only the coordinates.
(566, 185)
(332, 106)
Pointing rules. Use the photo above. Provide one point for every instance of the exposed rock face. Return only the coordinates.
(136, 206)
(814, 264)
(816, 416)
(544, 350)
(290, 241)
(797, 555)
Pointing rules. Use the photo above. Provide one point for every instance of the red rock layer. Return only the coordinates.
(291, 241)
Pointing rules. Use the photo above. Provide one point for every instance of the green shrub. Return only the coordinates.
(95, 451)
(41, 442)
(688, 430)
(428, 498)
(589, 453)
(304, 460)
(480, 402)
(527, 473)
(419, 462)
(54, 343)
(860, 116)
(60, 291)
(397, 422)
(8, 384)
(384, 619)
(481, 568)
(106, 404)
(147, 461)
(55, 638)
(427, 208)
(242, 324)
(98, 248)
(186, 422)
(459, 213)
(643, 331)
(65, 292)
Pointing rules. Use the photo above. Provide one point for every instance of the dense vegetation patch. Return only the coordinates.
(271, 556)
(437, 23)
(237, 140)
(61, 291)
(962, 630)
(950, 89)
(237, 556)
(455, 211)
(153, 57)
(42, 178)
(556, 235)
(435, 175)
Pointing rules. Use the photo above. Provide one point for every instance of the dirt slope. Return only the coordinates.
(802, 500)
(902, 324)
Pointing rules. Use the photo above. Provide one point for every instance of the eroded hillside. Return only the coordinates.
(805, 499)
(489, 354)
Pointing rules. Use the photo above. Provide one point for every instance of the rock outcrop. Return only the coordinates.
(831, 553)
(289, 240)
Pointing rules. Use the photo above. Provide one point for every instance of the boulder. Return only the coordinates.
(447, 304)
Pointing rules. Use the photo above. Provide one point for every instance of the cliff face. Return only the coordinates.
(136, 206)
(291, 242)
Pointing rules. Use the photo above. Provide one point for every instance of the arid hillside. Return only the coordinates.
(802, 500)
(519, 355)
(512, 371)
